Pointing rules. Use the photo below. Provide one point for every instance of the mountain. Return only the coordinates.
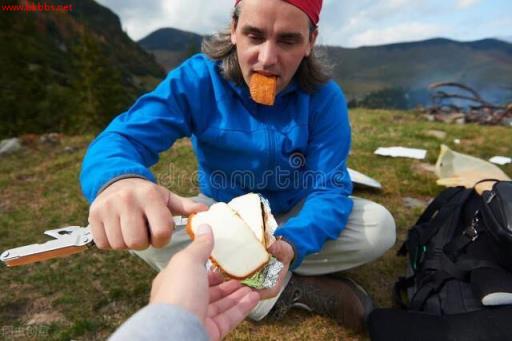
(407, 68)
(170, 39)
(68, 72)
(485, 65)
(171, 46)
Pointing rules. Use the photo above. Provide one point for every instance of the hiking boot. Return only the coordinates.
(341, 299)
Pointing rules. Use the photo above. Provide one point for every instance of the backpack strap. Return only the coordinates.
(400, 290)
(437, 279)
(440, 201)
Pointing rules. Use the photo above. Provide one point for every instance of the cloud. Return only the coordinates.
(342, 22)
(141, 18)
(463, 4)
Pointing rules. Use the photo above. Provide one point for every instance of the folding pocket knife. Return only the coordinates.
(67, 241)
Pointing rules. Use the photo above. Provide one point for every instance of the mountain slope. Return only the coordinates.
(68, 71)
(171, 46)
(485, 65)
(170, 39)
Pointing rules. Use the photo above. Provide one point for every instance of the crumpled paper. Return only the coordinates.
(500, 160)
(457, 169)
(397, 151)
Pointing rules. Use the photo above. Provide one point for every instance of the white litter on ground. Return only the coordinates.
(398, 151)
(500, 160)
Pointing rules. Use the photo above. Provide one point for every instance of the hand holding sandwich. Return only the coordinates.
(283, 251)
(221, 306)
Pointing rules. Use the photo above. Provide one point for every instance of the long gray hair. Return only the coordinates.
(312, 71)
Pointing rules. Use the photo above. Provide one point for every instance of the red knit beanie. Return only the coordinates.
(310, 7)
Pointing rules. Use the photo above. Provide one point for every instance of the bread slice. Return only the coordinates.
(249, 208)
(237, 250)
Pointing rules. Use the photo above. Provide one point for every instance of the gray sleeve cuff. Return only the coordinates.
(161, 322)
(120, 177)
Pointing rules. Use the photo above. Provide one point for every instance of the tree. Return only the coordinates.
(98, 87)
(391, 98)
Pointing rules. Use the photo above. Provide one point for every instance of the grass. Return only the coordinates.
(87, 296)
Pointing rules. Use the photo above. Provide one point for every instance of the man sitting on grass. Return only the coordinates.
(292, 149)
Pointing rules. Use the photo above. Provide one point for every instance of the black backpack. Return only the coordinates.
(460, 254)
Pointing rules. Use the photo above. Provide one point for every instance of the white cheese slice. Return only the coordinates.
(237, 251)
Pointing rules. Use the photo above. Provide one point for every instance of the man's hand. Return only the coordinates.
(135, 213)
(221, 306)
(284, 253)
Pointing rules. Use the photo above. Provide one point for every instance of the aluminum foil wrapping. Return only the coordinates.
(267, 277)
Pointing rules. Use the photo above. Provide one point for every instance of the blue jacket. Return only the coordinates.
(296, 149)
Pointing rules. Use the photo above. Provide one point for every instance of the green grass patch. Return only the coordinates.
(87, 296)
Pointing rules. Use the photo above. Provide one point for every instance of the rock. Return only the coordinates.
(63, 47)
(460, 120)
(454, 117)
(29, 140)
(50, 138)
(10, 146)
(422, 167)
(45, 318)
(507, 122)
(441, 135)
(429, 117)
(69, 149)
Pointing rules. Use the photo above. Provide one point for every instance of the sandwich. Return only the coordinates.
(242, 231)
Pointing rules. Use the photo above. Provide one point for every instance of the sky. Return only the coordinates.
(346, 23)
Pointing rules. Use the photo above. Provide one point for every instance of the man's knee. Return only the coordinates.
(382, 234)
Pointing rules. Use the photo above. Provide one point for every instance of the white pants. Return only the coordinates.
(370, 231)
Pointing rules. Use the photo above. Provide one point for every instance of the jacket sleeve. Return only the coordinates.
(327, 204)
(133, 140)
(161, 322)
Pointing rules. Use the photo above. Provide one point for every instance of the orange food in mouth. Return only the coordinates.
(263, 88)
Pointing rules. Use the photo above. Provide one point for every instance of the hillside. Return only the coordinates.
(171, 46)
(485, 65)
(408, 67)
(68, 71)
(170, 39)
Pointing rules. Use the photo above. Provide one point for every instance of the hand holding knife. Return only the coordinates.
(68, 240)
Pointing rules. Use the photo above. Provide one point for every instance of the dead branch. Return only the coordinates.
(480, 111)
